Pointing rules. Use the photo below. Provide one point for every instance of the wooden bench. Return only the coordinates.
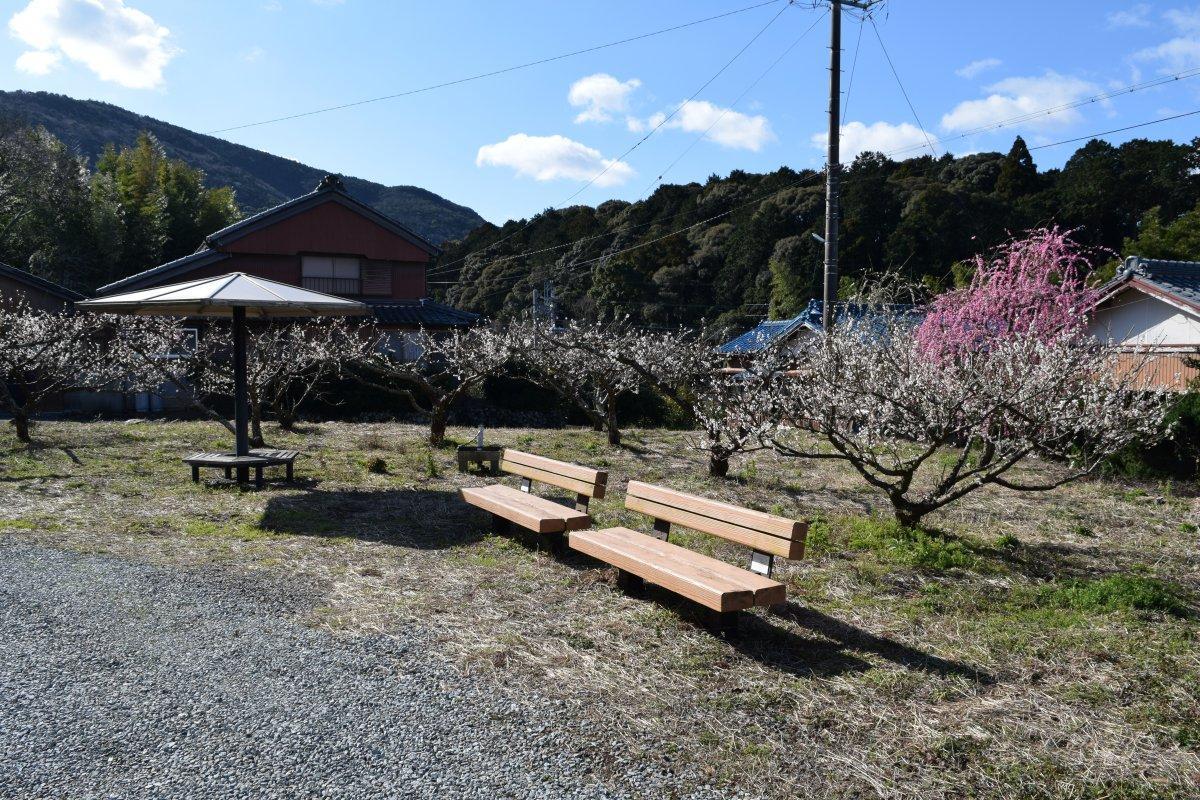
(714, 584)
(258, 458)
(538, 514)
(286, 458)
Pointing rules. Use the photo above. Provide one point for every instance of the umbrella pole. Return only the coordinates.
(241, 406)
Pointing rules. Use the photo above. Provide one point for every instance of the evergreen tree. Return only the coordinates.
(1018, 174)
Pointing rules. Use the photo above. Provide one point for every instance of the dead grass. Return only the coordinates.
(1035, 645)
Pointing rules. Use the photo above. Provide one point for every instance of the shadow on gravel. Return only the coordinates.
(854, 638)
(426, 519)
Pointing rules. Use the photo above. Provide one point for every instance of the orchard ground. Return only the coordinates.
(1033, 645)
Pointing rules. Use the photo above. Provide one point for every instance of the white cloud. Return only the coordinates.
(38, 62)
(601, 95)
(118, 43)
(724, 126)
(975, 67)
(253, 54)
(1175, 55)
(1179, 53)
(1016, 96)
(879, 137)
(547, 158)
(1184, 20)
(1137, 16)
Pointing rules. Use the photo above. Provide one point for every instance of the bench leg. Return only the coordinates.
(289, 472)
(258, 477)
(243, 474)
(629, 582)
(195, 473)
(500, 526)
(723, 623)
(229, 473)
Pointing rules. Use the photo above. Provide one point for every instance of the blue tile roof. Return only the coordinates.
(1178, 278)
(765, 333)
(758, 338)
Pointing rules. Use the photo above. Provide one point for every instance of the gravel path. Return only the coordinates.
(121, 680)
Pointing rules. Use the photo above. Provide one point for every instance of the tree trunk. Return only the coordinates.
(287, 419)
(256, 437)
(437, 425)
(909, 514)
(718, 466)
(21, 423)
(610, 423)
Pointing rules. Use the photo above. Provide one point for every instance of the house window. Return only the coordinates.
(331, 274)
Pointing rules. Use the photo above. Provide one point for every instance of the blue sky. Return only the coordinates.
(524, 141)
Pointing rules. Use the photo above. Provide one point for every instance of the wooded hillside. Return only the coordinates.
(731, 249)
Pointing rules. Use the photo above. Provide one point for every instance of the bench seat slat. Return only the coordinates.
(529, 511)
(788, 548)
(705, 580)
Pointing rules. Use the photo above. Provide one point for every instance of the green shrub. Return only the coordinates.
(1007, 541)
(377, 466)
(1116, 593)
(893, 543)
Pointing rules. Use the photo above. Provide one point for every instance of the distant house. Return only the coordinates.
(789, 332)
(19, 285)
(327, 241)
(1151, 310)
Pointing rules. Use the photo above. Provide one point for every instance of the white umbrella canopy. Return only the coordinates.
(219, 296)
(236, 295)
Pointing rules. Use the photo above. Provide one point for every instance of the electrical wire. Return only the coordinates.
(495, 72)
(574, 266)
(731, 106)
(1119, 130)
(639, 142)
(1058, 109)
(853, 67)
(900, 83)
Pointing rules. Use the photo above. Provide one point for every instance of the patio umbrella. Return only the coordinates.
(238, 296)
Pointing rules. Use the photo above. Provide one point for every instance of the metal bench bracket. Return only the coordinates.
(761, 563)
(526, 485)
(662, 529)
(581, 502)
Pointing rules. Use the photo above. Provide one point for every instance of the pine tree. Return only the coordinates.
(1018, 174)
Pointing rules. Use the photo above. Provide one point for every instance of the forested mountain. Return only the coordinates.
(732, 248)
(260, 179)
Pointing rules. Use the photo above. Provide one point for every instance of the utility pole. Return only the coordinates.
(833, 166)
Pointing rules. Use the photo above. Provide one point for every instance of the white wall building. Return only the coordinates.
(1151, 309)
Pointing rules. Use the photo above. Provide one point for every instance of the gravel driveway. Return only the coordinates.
(121, 679)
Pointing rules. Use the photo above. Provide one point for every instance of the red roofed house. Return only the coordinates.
(326, 241)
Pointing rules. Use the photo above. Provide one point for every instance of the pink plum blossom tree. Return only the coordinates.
(1031, 287)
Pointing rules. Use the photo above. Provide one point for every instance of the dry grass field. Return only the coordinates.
(1026, 645)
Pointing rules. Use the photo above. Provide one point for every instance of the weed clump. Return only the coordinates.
(1116, 593)
(377, 466)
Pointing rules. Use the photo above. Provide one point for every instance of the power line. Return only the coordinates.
(574, 267)
(639, 142)
(677, 108)
(732, 105)
(495, 72)
(1119, 130)
(1058, 109)
(900, 83)
(853, 67)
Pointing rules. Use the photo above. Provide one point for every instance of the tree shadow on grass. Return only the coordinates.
(424, 519)
(855, 638)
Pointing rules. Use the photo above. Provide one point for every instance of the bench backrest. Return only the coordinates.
(581, 480)
(765, 533)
